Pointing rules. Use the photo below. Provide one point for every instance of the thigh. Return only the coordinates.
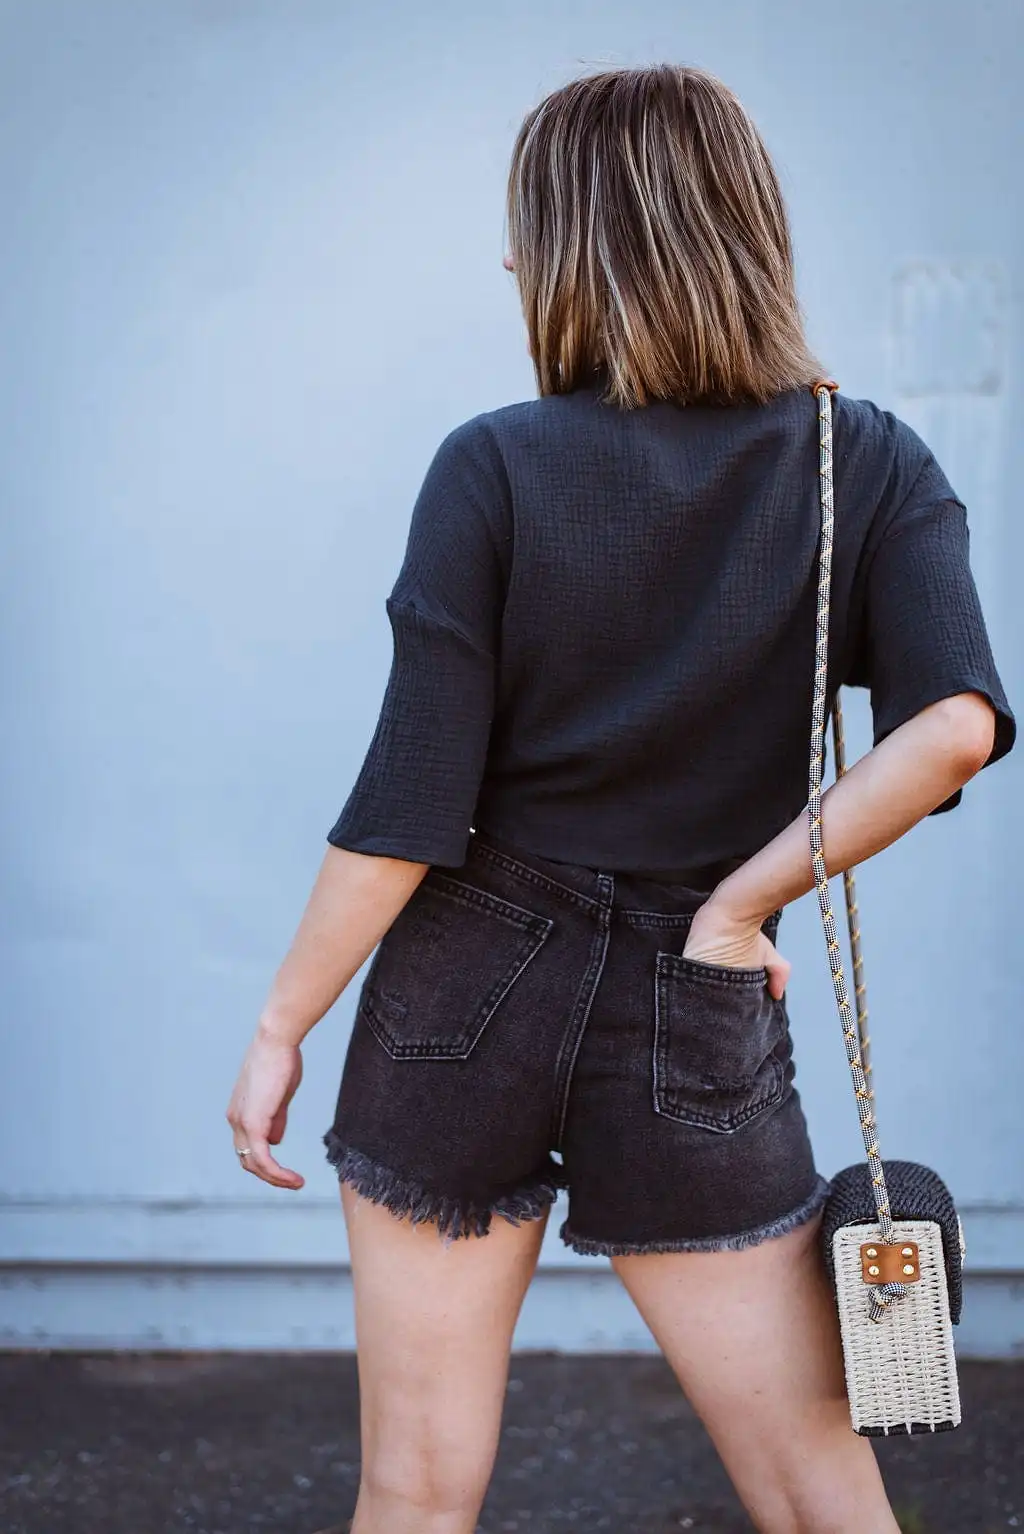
(434, 1324)
(753, 1338)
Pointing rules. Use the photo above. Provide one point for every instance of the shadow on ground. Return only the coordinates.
(159, 1444)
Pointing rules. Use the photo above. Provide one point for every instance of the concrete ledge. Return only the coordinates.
(268, 1309)
(255, 1232)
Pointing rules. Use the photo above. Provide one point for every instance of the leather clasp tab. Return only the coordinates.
(824, 383)
(899, 1264)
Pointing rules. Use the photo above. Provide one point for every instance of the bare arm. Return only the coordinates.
(887, 792)
(353, 903)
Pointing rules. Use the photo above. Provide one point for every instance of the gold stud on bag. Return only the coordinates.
(892, 1240)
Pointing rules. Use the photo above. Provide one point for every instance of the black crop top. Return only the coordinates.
(604, 628)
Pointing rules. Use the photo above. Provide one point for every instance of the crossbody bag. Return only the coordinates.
(893, 1243)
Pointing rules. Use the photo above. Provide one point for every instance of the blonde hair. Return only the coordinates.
(650, 240)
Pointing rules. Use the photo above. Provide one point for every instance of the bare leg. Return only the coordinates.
(434, 1325)
(753, 1338)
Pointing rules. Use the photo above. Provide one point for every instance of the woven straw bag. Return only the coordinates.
(893, 1242)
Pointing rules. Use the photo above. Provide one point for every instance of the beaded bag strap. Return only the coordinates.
(854, 1020)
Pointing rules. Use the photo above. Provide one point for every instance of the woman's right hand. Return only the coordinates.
(258, 1110)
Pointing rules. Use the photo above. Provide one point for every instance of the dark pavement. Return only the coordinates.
(158, 1444)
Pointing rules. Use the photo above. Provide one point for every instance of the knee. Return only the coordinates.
(789, 1513)
(423, 1481)
(783, 1517)
(775, 1516)
(422, 1496)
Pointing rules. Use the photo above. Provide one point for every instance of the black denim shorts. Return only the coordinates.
(528, 1025)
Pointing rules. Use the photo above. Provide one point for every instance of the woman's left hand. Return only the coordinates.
(719, 937)
(258, 1110)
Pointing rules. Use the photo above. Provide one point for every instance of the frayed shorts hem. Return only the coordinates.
(454, 1218)
(734, 1243)
(457, 1218)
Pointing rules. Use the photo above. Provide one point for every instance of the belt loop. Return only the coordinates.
(606, 894)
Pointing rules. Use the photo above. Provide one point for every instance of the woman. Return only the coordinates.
(583, 810)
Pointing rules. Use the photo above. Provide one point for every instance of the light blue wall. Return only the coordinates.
(249, 277)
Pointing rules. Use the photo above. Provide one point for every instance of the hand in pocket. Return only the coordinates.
(718, 937)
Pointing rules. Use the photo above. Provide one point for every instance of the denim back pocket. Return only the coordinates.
(444, 967)
(721, 1044)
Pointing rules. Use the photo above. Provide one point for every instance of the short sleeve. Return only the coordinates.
(417, 791)
(923, 635)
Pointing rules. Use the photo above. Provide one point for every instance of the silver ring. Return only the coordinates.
(241, 1154)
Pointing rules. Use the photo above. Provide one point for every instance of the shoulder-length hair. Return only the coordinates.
(650, 243)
